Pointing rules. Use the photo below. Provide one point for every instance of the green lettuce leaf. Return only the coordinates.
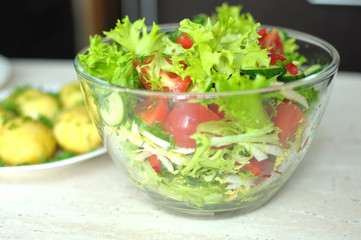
(247, 108)
(243, 22)
(134, 37)
(105, 61)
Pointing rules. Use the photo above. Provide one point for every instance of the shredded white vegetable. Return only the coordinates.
(165, 144)
(293, 95)
(156, 140)
(270, 148)
(255, 151)
(235, 181)
(166, 163)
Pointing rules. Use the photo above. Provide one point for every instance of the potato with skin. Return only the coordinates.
(25, 141)
(70, 95)
(35, 103)
(75, 132)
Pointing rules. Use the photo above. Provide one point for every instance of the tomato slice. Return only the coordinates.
(155, 163)
(144, 72)
(183, 120)
(274, 57)
(292, 68)
(252, 166)
(152, 111)
(259, 168)
(272, 39)
(262, 33)
(185, 41)
(170, 82)
(289, 117)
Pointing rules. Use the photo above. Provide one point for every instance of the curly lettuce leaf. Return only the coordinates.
(247, 108)
(217, 49)
(243, 144)
(106, 61)
(243, 22)
(191, 189)
(134, 37)
(290, 48)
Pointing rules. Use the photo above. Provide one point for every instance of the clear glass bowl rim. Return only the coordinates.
(306, 81)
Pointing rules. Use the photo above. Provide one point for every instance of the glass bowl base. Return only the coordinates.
(226, 210)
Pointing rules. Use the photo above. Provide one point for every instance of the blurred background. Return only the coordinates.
(60, 28)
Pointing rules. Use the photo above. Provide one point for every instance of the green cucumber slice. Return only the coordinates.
(288, 77)
(267, 72)
(112, 109)
(313, 69)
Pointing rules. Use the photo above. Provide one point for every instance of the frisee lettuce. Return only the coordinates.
(134, 37)
(106, 61)
(224, 44)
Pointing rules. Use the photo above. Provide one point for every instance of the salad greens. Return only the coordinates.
(202, 151)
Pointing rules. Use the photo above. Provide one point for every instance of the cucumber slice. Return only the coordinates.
(267, 72)
(313, 69)
(112, 109)
(288, 77)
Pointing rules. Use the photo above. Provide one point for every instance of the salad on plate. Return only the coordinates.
(197, 129)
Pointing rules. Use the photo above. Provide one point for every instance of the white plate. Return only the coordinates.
(48, 87)
(5, 69)
(52, 165)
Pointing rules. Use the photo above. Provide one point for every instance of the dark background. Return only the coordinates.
(48, 28)
(36, 29)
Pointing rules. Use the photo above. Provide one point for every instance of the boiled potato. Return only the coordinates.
(35, 103)
(25, 141)
(70, 95)
(75, 132)
(4, 116)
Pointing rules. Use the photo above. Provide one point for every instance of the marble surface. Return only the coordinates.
(94, 200)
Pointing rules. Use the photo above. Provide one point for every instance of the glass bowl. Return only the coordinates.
(214, 178)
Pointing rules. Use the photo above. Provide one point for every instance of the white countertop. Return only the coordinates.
(94, 200)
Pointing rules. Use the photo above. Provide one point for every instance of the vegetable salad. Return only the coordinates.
(202, 150)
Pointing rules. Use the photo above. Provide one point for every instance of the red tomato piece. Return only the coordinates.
(272, 39)
(144, 72)
(155, 163)
(262, 33)
(185, 41)
(260, 168)
(152, 111)
(252, 166)
(289, 117)
(172, 82)
(293, 69)
(274, 57)
(183, 120)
